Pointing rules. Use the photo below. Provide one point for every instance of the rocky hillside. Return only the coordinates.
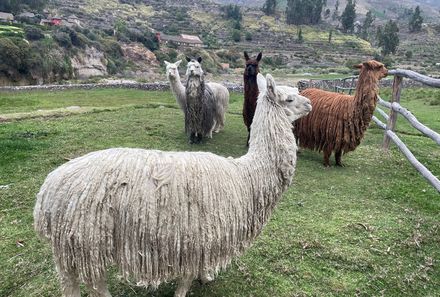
(383, 9)
(117, 38)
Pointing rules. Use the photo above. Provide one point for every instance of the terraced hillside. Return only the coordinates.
(206, 19)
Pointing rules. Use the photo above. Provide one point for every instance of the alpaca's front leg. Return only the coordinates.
(338, 158)
(206, 276)
(184, 285)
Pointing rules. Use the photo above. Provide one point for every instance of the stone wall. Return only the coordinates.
(157, 86)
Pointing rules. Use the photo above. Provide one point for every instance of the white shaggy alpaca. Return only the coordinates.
(221, 94)
(160, 216)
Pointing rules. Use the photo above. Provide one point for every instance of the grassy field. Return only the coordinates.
(371, 228)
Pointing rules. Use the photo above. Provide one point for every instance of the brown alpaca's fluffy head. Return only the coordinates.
(251, 68)
(378, 69)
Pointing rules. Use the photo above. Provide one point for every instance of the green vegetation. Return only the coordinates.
(15, 6)
(11, 31)
(348, 16)
(269, 7)
(416, 21)
(388, 39)
(369, 229)
(304, 12)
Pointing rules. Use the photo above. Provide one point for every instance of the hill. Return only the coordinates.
(117, 38)
(382, 9)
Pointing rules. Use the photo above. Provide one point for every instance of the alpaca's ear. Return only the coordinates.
(271, 86)
(358, 66)
(261, 83)
(260, 55)
(246, 56)
(188, 59)
(177, 63)
(166, 63)
(199, 60)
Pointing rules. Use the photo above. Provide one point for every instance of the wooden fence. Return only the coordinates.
(348, 84)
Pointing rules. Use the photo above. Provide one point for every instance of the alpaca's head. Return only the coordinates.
(194, 68)
(251, 68)
(172, 69)
(372, 67)
(295, 106)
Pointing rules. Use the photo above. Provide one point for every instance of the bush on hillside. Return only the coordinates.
(235, 35)
(63, 39)
(33, 33)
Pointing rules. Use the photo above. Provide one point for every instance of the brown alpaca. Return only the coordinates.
(337, 122)
(251, 71)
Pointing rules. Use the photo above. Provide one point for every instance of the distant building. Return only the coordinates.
(6, 17)
(55, 21)
(182, 40)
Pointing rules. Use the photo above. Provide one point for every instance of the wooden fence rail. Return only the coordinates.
(395, 109)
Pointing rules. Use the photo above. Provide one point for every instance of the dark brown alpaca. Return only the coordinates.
(251, 71)
(337, 122)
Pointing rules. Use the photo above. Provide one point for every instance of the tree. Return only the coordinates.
(300, 36)
(269, 7)
(233, 12)
(388, 39)
(15, 6)
(335, 15)
(415, 23)
(369, 19)
(236, 36)
(330, 36)
(348, 16)
(304, 12)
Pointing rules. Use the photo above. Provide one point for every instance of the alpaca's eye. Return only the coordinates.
(289, 100)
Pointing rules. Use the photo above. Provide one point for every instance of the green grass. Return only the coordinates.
(369, 229)
(11, 31)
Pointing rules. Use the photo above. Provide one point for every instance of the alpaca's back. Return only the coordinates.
(331, 125)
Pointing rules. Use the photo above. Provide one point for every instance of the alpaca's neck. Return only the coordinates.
(250, 82)
(366, 94)
(178, 90)
(270, 161)
(195, 87)
(176, 85)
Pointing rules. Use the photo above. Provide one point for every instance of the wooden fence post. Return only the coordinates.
(397, 88)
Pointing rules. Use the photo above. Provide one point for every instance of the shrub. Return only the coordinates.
(408, 54)
(248, 36)
(236, 36)
(33, 33)
(63, 39)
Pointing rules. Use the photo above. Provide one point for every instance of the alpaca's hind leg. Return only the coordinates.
(327, 158)
(184, 285)
(99, 288)
(220, 123)
(69, 283)
(214, 126)
(338, 156)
